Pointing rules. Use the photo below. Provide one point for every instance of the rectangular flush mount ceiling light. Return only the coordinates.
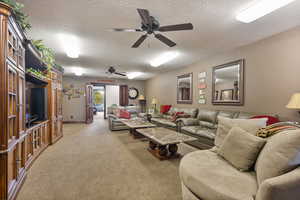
(164, 58)
(261, 8)
(70, 45)
(78, 71)
(132, 75)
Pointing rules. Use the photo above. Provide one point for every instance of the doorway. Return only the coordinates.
(99, 102)
(98, 98)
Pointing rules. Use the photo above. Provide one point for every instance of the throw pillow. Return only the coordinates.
(225, 124)
(276, 128)
(165, 108)
(280, 155)
(124, 114)
(176, 115)
(241, 148)
(271, 119)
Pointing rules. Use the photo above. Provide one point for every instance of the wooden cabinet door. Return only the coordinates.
(59, 127)
(21, 58)
(12, 104)
(21, 103)
(28, 148)
(12, 168)
(89, 104)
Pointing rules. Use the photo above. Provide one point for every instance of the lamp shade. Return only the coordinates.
(154, 101)
(294, 102)
(141, 97)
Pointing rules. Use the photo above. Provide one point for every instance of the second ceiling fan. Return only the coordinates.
(150, 26)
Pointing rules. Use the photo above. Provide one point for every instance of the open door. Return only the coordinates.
(89, 104)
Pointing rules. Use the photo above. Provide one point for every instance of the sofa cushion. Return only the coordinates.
(125, 114)
(207, 115)
(189, 121)
(207, 118)
(241, 148)
(176, 116)
(165, 108)
(162, 121)
(280, 155)
(210, 177)
(227, 114)
(245, 115)
(225, 124)
(190, 111)
(200, 131)
(271, 119)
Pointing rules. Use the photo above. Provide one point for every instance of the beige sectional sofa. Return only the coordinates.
(204, 126)
(274, 175)
(114, 123)
(165, 120)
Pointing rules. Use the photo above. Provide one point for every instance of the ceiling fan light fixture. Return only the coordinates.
(260, 9)
(164, 58)
(132, 75)
(70, 45)
(78, 71)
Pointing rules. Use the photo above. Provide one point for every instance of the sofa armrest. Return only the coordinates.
(112, 116)
(188, 121)
(158, 115)
(286, 186)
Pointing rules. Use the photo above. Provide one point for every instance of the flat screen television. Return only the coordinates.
(39, 103)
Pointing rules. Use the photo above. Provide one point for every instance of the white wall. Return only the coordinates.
(112, 95)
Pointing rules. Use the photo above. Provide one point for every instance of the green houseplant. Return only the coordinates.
(47, 53)
(36, 73)
(20, 16)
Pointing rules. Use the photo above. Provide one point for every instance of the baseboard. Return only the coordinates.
(74, 122)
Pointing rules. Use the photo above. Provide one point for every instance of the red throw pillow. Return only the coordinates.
(165, 108)
(124, 114)
(176, 115)
(271, 119)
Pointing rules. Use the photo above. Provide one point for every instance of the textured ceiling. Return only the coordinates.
(215, 30)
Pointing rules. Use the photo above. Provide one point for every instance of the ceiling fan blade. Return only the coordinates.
(125, 30)
(177, 27)
(145, 16)
(120, 74)
(139, 41)
(165, 40)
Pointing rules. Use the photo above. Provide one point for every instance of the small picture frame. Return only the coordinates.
(202, 80)
(202, 86)
(201, 92)
(202, 101)
(202, 96)
(202, 75)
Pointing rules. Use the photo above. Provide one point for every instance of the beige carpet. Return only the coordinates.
(92, 163)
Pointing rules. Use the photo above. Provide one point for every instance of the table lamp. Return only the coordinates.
(154, 102)
(294, 102)
(142, 101)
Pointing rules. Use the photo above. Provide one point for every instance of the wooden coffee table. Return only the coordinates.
(137, 123)
(163, 142)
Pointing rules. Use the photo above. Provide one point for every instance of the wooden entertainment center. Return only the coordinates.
(21, 142)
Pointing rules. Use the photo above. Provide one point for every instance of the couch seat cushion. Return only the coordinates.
(241, 148)
(279, 156)
(200, 131)
(164, 122)
(249, 125)
(210, 177)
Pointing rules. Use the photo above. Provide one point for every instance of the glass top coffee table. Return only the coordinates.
(163, 142)
(135, 124)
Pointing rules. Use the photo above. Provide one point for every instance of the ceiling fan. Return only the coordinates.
(150, 26)
(111, 70)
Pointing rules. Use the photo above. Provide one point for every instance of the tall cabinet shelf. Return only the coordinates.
(21, 144)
